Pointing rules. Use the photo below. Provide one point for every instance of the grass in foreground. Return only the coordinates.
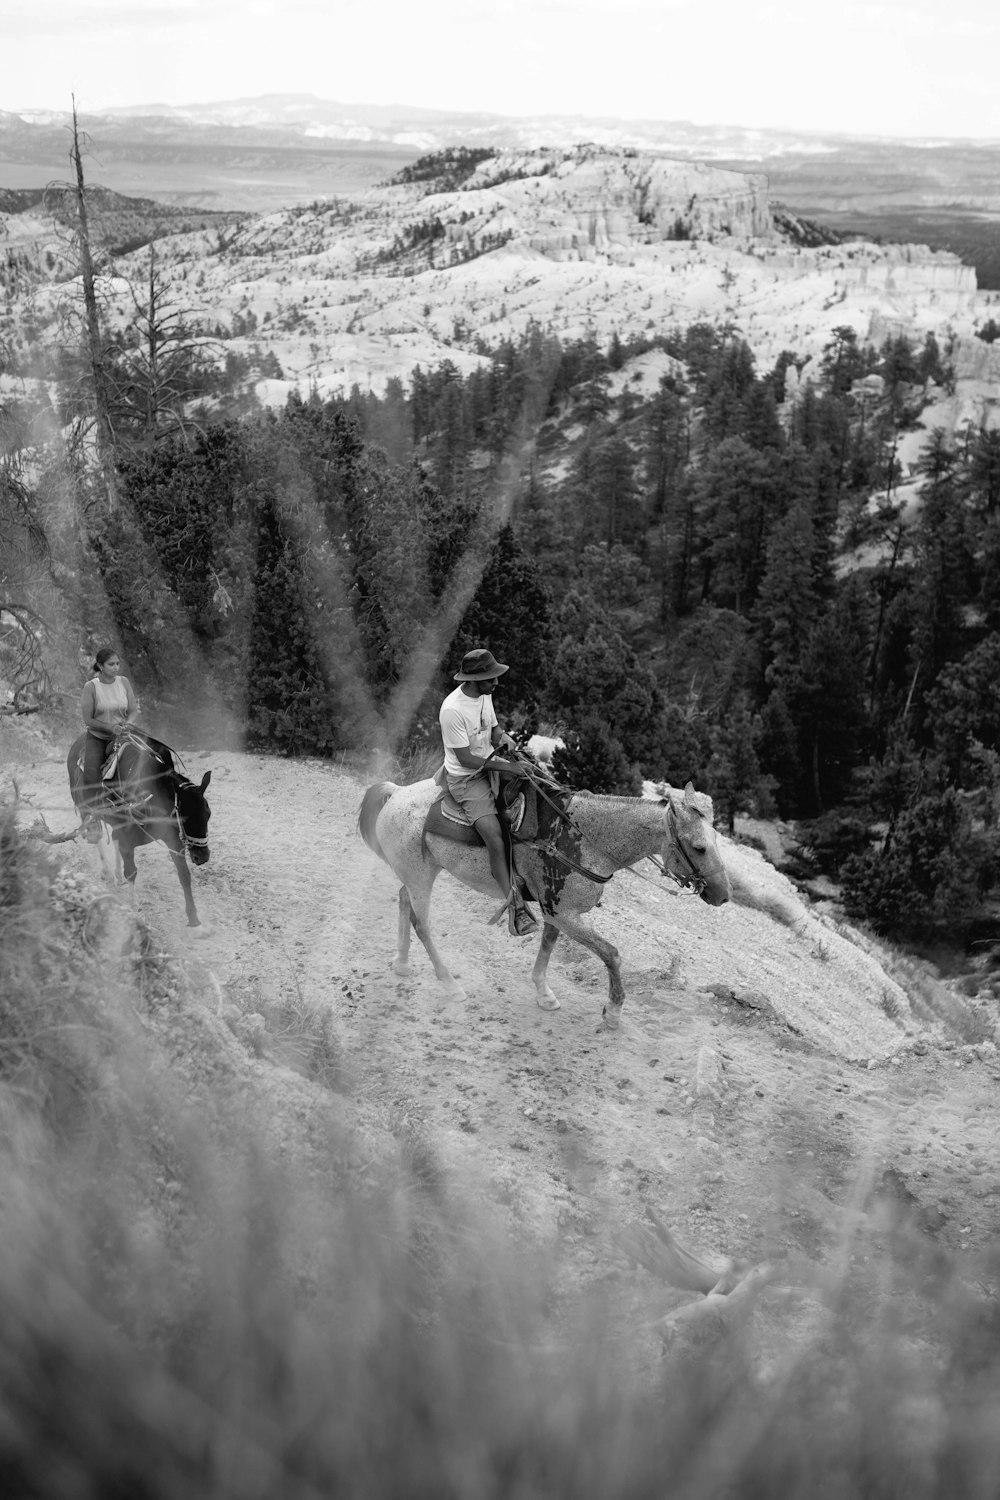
(187, 1313)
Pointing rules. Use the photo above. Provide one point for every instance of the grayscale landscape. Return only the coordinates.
(699, 429)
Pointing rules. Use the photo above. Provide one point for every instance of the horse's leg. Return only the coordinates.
(125, 850)
(415, 902)
(109, 872)
(609, 956)
(184, 876)
(545, 997)
(401, 964)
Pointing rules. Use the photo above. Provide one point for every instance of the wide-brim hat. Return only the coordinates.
(479, 666)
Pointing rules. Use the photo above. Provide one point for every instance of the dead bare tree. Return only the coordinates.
(153, 374)
(102, 407)
(24, 550)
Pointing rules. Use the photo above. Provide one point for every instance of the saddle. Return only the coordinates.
(525, 816)
(123, 798)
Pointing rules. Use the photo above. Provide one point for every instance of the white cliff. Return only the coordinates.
(581, 241)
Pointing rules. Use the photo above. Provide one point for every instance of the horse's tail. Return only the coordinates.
(73, 766)
(372, 804)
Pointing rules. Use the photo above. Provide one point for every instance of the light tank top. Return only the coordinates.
(110, 699)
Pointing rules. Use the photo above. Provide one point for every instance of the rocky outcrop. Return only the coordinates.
(906, 279)
(588, 203)
(974, 359)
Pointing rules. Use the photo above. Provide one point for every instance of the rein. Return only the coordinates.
(693, 881)
(548, 847)
(134, 811)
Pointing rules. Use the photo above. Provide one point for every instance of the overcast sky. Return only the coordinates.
(899, 67)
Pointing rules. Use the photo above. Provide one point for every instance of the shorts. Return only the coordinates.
(474, 795)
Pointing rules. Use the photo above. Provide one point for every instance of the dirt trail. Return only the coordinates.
(767, 1073)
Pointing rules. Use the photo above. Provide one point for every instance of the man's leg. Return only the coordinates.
(520, 920)
(488, 829)
(475, 797)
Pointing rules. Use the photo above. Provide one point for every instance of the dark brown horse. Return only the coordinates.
(147, 798)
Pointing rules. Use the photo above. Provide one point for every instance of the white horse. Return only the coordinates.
(602, 835)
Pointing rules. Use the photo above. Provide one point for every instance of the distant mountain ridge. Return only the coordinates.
(389, 122)
(283, 150)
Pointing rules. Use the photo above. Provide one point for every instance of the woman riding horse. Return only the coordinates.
(107, 705)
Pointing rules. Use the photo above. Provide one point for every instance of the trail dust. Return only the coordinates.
(769, 1084)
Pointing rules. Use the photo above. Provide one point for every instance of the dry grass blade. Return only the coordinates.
(662, 1255)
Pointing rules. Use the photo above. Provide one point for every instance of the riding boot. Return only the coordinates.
(520, 921)
(92, 829)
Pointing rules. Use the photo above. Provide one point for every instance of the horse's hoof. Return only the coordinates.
(610, 1017)
(454, 991)
(547, 1000)
(200, 930)
(403, 970)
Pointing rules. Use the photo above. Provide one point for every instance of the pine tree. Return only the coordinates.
(943, 569)
(511, 614)
(593, 664)
(738, 492)
(611, 498)
(843, 361)
(734, 774)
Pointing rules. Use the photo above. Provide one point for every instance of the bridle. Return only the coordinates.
(694, 880)
(135, 812)
(187, 839)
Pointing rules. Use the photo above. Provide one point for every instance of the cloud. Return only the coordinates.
(892, 66)
(28, 18)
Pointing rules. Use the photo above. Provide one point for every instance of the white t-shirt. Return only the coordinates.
(465, 724)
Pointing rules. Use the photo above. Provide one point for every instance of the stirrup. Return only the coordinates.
(520, 921)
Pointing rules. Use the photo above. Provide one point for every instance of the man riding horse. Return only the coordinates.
(471, 735)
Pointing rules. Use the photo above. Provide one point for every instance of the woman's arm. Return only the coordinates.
(132, 707)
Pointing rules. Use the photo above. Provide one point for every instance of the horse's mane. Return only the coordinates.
(662, 791)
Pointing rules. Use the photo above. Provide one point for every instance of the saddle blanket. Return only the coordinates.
(108, 769)
(448, 819)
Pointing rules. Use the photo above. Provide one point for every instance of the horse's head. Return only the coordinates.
(194, 812)
(690, 850)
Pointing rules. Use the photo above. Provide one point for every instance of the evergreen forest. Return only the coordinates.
(692, 579)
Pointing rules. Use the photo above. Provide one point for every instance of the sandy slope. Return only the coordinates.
(767, 1074)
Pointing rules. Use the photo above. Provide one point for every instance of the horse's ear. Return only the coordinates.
(205, 780)
(690, 799)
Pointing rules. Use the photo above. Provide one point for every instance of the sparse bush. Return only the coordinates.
(926, 876)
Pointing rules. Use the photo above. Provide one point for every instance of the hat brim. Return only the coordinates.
(498, 671)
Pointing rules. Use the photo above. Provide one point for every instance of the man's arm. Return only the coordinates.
(473, 762)
(467, 758)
